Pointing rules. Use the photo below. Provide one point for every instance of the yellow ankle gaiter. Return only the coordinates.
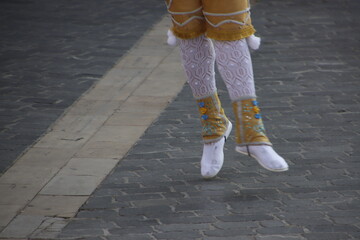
(249, 126)
(213, 120)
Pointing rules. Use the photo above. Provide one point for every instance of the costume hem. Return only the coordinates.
(187, 35)
(231, 35)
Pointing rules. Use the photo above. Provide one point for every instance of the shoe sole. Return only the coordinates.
(270, 169)
(227, 133)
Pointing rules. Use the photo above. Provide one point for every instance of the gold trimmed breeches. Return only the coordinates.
(225, 20)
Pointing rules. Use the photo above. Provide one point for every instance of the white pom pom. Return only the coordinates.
(171, 41)
(253, 42)
(171, 38)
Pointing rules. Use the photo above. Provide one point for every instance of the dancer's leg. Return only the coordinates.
(198, 57)
(235, 66)
(234, 63)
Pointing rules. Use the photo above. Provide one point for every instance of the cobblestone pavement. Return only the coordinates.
(307, 75)
(52, 52)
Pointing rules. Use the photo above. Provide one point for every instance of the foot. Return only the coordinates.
(213, 156)
(266, 157)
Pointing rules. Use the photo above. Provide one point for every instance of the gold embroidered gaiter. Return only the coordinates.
(213, 120)
(249, 126)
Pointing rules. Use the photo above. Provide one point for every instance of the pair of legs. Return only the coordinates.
(228, 24)
(233, 60)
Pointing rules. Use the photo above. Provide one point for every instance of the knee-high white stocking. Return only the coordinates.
(198, 58)
(235, 66)
(234, 63)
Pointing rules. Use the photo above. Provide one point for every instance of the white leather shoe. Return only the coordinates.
(266, 156)
(212, 158)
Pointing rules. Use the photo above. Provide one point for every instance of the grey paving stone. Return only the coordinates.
(330, 236)
(245, 218)
(230, 238)
(280, 230)
(87, 238)
(98, 213)
(51, 53)
(187, 220)
(131, 230)
(132, 237)
(279, 237)
(178, 235)
(225, 233)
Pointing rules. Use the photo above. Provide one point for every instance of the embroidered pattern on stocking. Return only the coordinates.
(198, 58)
(234, 63)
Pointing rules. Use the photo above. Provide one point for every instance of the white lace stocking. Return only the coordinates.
(198, 58)
(233, 60)
(234, 63)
